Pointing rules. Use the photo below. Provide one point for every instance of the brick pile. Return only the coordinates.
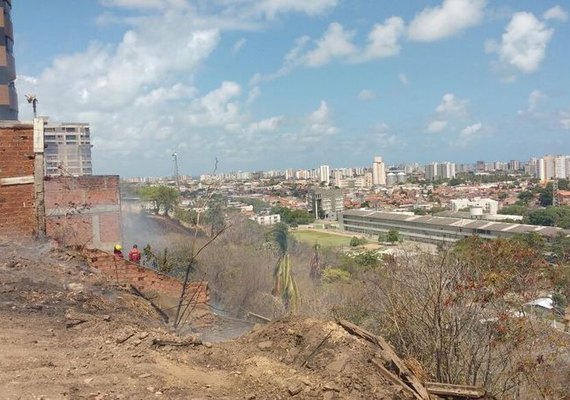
(145, 279)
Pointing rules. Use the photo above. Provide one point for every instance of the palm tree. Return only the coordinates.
(284, 283)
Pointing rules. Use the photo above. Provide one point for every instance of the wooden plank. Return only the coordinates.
(390, 355)
(447, 389)
(17, 180)
(394, 379)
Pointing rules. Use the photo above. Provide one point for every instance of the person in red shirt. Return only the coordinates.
(135, 254)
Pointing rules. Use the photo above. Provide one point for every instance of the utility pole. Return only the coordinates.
(176, 175)
(555, 198)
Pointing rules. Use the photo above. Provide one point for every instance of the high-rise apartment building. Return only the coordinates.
(552, 167)
(431, 172)
(68, 149)
(325, 174)
(445, 170)
(378, 171)
(8, 96)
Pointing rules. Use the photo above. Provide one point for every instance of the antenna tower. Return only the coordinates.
(555, 196)
(176, 175)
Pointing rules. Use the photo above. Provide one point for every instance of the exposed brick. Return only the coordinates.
(17, 211)
(144, 278)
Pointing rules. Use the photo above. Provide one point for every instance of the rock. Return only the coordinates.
(267, 345)
(142, 376)
(207, 345)
(250, 397)
(331, 386)
(330, 396)
(75, 287)
(88, 380)
(106, 317)
(143, 335)
(295, 388)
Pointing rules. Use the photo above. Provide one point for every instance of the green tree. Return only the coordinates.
(393, 236)
(161, 197)
(526, 196)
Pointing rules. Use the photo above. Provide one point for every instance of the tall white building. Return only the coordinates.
(324, 174)
(431, 172)
(378, 171)
(67, 149)
(446, 170)
(552, 167)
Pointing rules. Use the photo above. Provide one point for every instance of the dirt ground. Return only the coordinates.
(68, 332)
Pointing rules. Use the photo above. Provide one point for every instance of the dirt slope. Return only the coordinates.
(69, 333)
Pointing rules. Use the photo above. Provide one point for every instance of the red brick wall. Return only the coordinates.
(145, 279)
(84, 210)
(17, 205)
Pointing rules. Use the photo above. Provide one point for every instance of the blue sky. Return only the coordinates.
(274, 84)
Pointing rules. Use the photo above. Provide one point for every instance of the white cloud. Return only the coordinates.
(270, 8)
(335, 43)
(469, 133)
(145, 4)
(217, 108)
(448, 19)
(534, 99)
(320, 123)
(556, 13)
(383, 40)
(437, 126)
(404, 79)
(451, 105)
(367, 95)
(266, 125)
(523, 45)
(471, 130)
(253, 95)
(238, 45)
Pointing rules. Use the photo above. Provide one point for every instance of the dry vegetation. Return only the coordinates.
(453, 312)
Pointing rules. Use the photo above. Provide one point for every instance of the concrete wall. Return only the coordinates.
(18, 218)
(164, 289)
(84, 210)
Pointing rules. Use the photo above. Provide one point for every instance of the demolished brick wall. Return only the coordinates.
(144, 279)
(84, 210)
(17, 196)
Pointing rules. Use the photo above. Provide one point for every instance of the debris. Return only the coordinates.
(178, 343)
(265, 345)
(124, 338)
(331, 386)
(462, 391)
(295, 388)
(142, 376)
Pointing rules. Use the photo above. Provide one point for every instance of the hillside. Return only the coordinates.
(70, 333)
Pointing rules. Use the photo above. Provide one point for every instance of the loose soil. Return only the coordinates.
(68, 332)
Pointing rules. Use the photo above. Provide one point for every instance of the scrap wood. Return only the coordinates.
(394, 379)
(75, 322)
(447, 389)
(178, 343)
(389, 355)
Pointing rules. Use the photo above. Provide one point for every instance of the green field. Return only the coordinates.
(324, 239)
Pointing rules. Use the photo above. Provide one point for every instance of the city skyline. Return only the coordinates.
(263, 85)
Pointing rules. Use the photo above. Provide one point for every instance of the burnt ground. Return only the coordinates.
(68, 332)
